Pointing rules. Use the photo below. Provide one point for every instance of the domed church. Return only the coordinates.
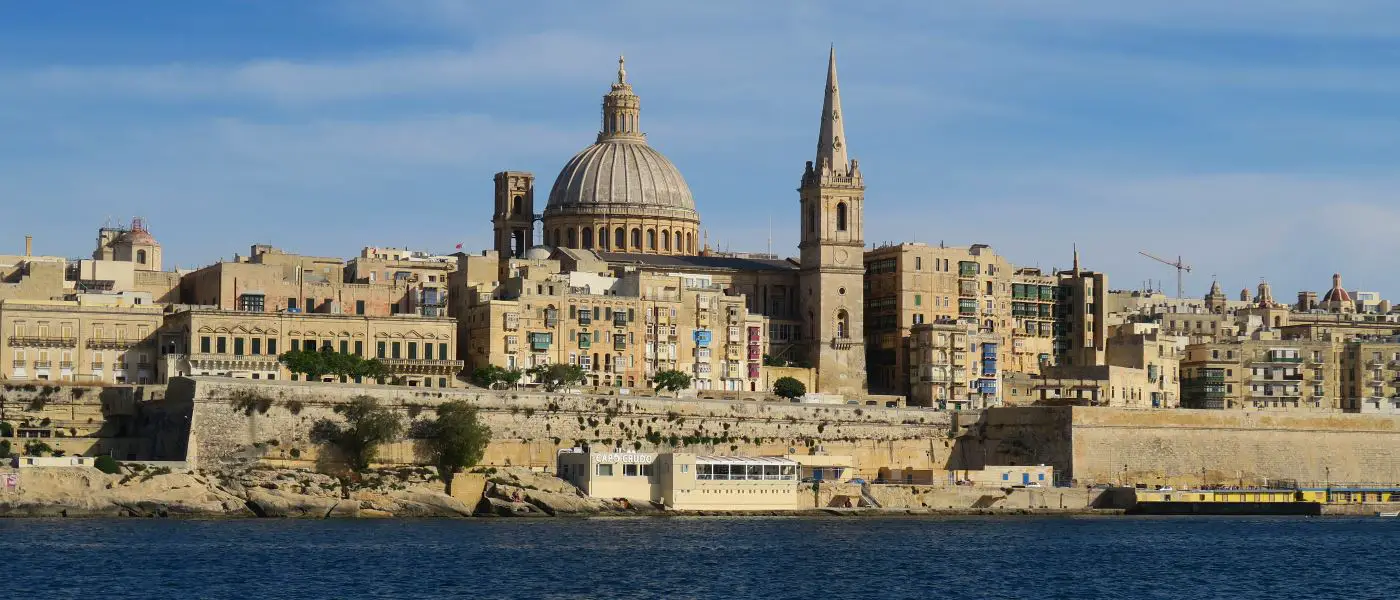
(617, 195)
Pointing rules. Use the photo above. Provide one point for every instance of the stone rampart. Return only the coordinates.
(1184, 447)
(528, 428)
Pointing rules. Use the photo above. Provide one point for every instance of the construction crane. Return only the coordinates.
(1180, 267)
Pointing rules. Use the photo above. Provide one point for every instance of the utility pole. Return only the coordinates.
(1181, 267)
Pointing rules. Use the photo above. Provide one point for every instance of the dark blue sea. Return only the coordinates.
(768, 558)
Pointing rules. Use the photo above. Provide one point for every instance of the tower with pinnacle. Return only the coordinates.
(832, 246)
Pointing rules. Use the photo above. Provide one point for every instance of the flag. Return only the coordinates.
(459, 246)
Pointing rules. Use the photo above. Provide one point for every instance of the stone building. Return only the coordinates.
(620, 330)
(269, 280)
(1262, 371)
(78, 340)
(1370, 377)
(622, 202)
(246, 344)
(938, 364)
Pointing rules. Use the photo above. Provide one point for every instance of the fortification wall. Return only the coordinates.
(1188, 447)
(1184, 447)
(529, 428)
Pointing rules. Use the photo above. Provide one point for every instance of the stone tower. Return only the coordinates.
(832, 254)
(1216, 302)
(514, 218)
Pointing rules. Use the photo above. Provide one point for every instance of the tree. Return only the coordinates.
(511, 377)
(670, 380)
(107, 464)
(789, 388)
(492, 376)
(455, 440)
(556, 376)
(311, 363)
(367, 425)
(372, 368)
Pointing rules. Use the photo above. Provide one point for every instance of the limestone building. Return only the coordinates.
(82, 340)
(246, 344)
(621, 202)
(1262, 371)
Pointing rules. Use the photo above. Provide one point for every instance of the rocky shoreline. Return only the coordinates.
(408, 492)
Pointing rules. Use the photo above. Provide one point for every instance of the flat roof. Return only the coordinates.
(742, 460)
(732, 263)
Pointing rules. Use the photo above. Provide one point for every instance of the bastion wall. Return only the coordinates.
(528, 428)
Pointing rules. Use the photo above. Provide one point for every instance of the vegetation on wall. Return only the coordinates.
(454, 441)
(106, 464)
(367, 426)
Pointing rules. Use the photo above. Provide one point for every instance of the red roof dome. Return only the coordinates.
(1337, 294)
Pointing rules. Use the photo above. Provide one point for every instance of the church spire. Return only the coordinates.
(621, 109)
(831, 143)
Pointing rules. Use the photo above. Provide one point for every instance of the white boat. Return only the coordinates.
(1388, 514)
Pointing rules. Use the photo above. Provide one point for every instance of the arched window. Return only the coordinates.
(841, 216)
(557, 238)
(651, 239)
(636, 238)
(516, 205)
(620, 239)
(689, 243)
(665, 240)
(587, 238)
(141, 256)
(603, 238)
(596, 364)
(811, 217)
(573, 242)
(843, 324)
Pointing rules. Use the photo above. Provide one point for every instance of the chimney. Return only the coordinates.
(29, 245)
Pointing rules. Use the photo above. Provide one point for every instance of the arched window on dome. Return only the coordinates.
(557, 239)
(843, 324)
(602, 238)
(620, 239)
(573, 239)
(651, 239)
(141, 256)
(587, 238)
(841, 216)
(689, 243)
(636, 238)
(665, 240)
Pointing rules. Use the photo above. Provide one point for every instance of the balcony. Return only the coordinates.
(422, 365)
(1281, 360)
(1295, 377)
(43, 342)
(97, 366)
(842, 343)
(225, 361)
(43, 364)
(19, 364)
(111, 344)
(65, 364)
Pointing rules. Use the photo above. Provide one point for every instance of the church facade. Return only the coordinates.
(624, 203)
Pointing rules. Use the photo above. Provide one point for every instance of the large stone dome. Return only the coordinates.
(621, 177)
(621, 195)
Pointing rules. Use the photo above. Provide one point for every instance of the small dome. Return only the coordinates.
(539, 253)
(621, 177)
(1337, 293)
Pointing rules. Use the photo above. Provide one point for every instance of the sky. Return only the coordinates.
(1254, 139)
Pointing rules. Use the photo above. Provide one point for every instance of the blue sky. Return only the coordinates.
(1256, 139)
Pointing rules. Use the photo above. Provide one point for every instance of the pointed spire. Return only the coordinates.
(831, 143)
(1076, 258)
(621, 70)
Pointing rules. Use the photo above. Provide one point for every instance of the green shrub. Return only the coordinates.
(107, 465)
(6, 429)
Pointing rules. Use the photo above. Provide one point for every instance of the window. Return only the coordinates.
(629, 470)
(344, 346)
(251, 302)
(636, 238)
(605, 470)
(379, 349)
(571, 239)
(841, 216)
(394, 349)
(665, 240)
(359, 307)
(141, 256)
(811, 218)
(651, 239)
(238, 346)
(271, 346)
(442, 351)
(221, 345)
(428, 351)
(918, 263)
(256, 346)
(918, 300)
(359, 348)
(588, 238)
(843, 323)
(412, 350)
(291, 303)
(204, 344)
(310, 305)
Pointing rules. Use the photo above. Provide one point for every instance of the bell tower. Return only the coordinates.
(514, 218)
(832, 247)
